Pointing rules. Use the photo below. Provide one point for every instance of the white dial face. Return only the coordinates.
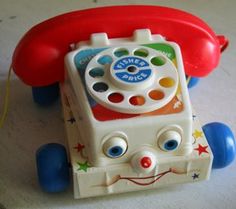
(132, 79)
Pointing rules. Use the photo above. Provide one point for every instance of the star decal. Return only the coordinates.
(201, 149)
(195, 176)
(79, 147)
(197, 134)
(83, 166)
(71, 120)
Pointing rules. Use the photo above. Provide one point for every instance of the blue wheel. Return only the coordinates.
(193, 82)
(222, 143)
(52, 167)
(45, 95)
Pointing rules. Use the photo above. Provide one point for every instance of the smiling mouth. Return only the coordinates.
(139, 180)
(143, 181)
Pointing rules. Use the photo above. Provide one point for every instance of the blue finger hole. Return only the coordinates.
(105, 60)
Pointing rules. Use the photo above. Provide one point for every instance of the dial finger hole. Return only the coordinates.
(116, 97)
(106, 59)
(141, 52)
(96, 72)
(137, 100)
(158, 61)
(121, 52)
(167, 82)
(100, 87)
(156, 95)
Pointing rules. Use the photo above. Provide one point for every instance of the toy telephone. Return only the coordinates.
(39, 57)
(128, 117)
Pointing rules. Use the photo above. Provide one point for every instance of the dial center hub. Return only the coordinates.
(131, 72)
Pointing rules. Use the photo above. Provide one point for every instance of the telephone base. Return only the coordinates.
(91, 181)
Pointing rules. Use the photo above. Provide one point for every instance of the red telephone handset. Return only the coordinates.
(39, 57)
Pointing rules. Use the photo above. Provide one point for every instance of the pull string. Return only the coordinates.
(188, 80)
(6, 98)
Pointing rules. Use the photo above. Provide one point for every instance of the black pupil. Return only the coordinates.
(170, 144)
(115, 150)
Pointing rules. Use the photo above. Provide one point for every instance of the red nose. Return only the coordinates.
(146, 162)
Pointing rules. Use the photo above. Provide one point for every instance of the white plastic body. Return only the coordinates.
(111, 179)
(140, 133)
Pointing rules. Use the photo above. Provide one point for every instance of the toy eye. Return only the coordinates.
(115, 147)
(169, 140)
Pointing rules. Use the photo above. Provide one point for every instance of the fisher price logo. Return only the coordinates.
(132, 69)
